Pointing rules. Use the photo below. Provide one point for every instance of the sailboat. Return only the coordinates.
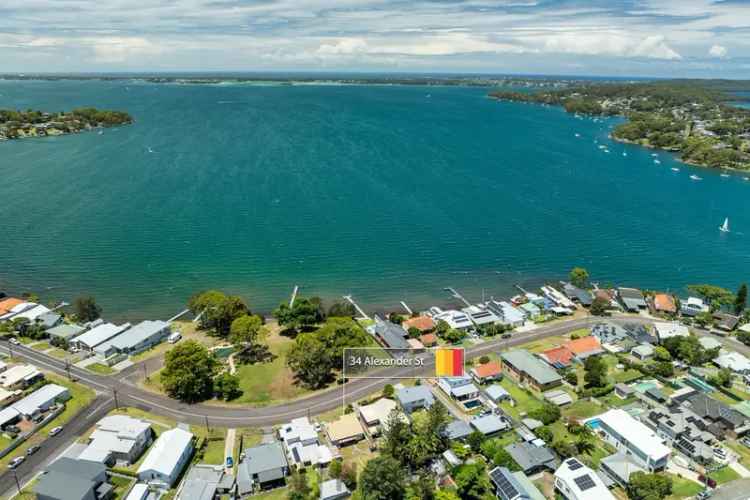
(724, 228)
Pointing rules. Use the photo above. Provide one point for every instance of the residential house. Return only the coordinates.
(642, 352)
(139, 338)
(579, 295)
(523, 367)
(558, 397)
(664, 303)
(376, 416)
(530, 311)
(263, 467)
(558, 298)
(631, 436)
(734, 361)
(389, 334)
(35, 403)
(28, 310)
(666, 331)
(632, 299)
(423, 323)
(619, 467)
(693, 306)
(623, 391)
(513, 485)
(20, 376)
(8, 303)
(584, 347)
(497, 393)
(457, 430)
(333, 489)
(686, 431)
(98, 335)
(118, 438)
(709, 343)
(205, 482)
(70, 479)
(557, 357)
(481, 315)
(48, 320)
(532, 458)
(725, 322)
(415, 398)
(455, 319)
(490, 425)
(168, 456)
(609, 333)
(459, 388)
(508, 314)
(727, 419)
(301, 443)
(346, 430)
(62, 334)
(487, 372)
(428, 339)
(575, 481)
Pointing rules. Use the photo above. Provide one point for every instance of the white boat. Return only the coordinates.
(624, 153)
(725, 175)
(675, 169)
(654, 155)
(696, 178)
(746, 178)
(602, 146)
(100, 132)
(657, 162)
(578, 135)
(724, 228)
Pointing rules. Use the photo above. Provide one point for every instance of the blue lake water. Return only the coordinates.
(385, 192)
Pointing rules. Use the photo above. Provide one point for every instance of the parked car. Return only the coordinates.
(32, 450)
(174, 338)
(16, 462)
(230, 462)
(703, 495)
(711, 483)
(14, 341)
(55, 431)
(505, 335)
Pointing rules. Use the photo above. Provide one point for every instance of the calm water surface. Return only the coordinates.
(388, 193)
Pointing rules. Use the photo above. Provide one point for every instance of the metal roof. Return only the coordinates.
(524, 361)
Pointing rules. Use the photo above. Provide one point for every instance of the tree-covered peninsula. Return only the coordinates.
(694, 118)
(30, 123)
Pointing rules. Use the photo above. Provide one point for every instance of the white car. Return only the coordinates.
(14, 341)
(55, 431)
(16, 462)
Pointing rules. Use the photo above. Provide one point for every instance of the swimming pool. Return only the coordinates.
(594, 423)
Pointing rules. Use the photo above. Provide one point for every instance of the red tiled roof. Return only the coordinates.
(665, 302)
(7, 304)
(421, 323)
(584, 345)
(428, 339)
(491, 369)
(558, 355)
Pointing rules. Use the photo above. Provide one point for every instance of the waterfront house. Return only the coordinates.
(345, 430)
(632, 299)
(455, 319)
(62, 334)
(7, 304)
(557, 357)
(481, 315)
(263, 467)
(558, 298)
(167, 458)
(139, 338)
(725, 322)
(666, 331)
(414, 398)
(631, 436)
(48, 320)
(118, 438)
(508, 314)
(389, 334)
(532, 458)
(523, 367)
(530, 311)
(513, 485)
(70, 479)
(428, 339)
(579, 295)
(664, 303)
(98, 335)
(488, 372)
(575, 481)
(25, 310)
(423, 323)
(693, 306)
(734, 361)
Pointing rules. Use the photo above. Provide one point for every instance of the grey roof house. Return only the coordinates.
(263, 467)
(513, 485)
(458, 429)
(333, 489)
(64, 332)
(415, 398)
(71, 479)
(524, 367)
(204, 482)
(390, 334)
(532, 458)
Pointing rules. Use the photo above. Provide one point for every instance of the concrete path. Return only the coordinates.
(232, 367)
(739, 469)
(229, 448)
(683, 471)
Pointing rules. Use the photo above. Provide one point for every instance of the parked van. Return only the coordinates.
(174, 338)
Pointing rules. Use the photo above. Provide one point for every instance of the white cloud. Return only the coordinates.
(610, 44)
(718, 51)
(120, 49)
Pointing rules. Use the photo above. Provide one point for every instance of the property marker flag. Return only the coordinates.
(449, 362)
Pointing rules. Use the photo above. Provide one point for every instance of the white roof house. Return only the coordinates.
(577, 482)
(301, 442)
(117, 435)
(139, 337)
(557, 297)
(167, 457)
(507, 313)
(99, 335)
(630, 435)
(455, 319)
(17, 374)
(32, 313)
(481, 315)
(41, 399)
(17, 309)
(377, 414)
(733, 361)
(668, 330)
(299, 430)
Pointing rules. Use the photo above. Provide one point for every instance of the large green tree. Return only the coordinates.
(188, 372)
(310, 361)
(595, 371)
(740, 302)
(472, 482)
(713, 294)
(304, 314)
(86, 309)
(383, 478)
(643, 486)
(227, 386)
(547, 413)
(579, 277)
(217, 310)
(247, 330)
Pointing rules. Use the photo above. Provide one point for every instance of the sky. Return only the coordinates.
(661, 38)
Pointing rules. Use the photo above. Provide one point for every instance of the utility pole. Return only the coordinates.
(208, 429)
(117, 405)
(67, 368)
(145, 372)
(18, 484)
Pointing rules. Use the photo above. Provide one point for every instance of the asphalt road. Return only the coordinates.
(52, 447)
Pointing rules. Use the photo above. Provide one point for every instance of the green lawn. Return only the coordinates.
(277, 494)
(591, 458)
(214, 453)
(683, 488)
(582, 409)
(724, 475)
(58, 353)
(122, 485)
(742, 451)
(100, 368)
(525, 400)
(81, 397)
(41, 346)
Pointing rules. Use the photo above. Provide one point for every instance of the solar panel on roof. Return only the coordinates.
(584, 482)
(505, 487)
(574, 464)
